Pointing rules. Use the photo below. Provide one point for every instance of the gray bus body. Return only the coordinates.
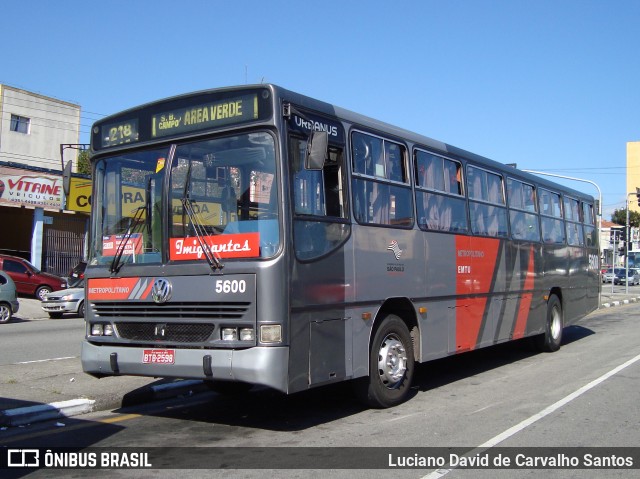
(400, 249)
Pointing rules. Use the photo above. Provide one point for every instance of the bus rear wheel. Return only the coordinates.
(551, 339)
(391, 365)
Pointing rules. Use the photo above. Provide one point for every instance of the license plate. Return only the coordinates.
(158, 356)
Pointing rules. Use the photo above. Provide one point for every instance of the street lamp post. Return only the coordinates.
(626, 240)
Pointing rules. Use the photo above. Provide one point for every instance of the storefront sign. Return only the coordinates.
(79, 198)
(29, 188)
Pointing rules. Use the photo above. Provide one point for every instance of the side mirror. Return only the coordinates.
(66, 178)
(317, 148)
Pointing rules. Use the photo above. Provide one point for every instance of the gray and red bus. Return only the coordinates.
(255, 236)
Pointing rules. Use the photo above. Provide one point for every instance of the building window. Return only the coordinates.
(20, 124)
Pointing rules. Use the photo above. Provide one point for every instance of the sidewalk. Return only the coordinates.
(57, 389)
(609, 299)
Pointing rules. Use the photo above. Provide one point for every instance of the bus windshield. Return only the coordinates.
(221, 199)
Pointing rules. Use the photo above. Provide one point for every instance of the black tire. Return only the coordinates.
(5, 313)
(42, 291)
(389, 380)
(551, 340)
(81, 309)
(55, 315)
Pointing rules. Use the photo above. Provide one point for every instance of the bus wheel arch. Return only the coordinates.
(404, 309)
(392, 357)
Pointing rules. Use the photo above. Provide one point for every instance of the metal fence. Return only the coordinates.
(64, 244)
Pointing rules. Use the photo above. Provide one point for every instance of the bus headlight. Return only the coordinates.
(270, 333)
(101, 329)
(247, 334)
(229, 334)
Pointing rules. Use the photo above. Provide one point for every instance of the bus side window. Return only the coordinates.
(488, 214)
(381, 190)
(589, 222)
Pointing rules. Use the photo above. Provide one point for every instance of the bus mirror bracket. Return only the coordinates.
(316, 150)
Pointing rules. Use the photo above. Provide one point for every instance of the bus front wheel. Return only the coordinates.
(391, 365)
(551, 339)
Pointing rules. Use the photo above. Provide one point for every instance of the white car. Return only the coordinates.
(66, 301)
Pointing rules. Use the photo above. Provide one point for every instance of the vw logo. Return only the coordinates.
(161, 290)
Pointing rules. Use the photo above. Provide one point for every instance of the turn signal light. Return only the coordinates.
(271, 333)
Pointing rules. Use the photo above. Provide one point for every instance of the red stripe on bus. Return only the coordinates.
(110, 288)
(476, 262)
(525, 301)
(468, 322)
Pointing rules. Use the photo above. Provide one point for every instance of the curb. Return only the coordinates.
(21, 416)
(620, 303)
(44, 412)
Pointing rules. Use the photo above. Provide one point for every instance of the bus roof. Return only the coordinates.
(322, 107)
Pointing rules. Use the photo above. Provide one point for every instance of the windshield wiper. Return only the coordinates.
(135, 222)
(199, 228)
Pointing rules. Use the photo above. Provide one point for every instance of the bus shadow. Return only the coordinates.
(266, 409)
(441, 372)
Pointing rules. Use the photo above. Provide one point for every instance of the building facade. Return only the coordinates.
(33, 221)
(633, 172)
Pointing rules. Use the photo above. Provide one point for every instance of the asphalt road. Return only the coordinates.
(584, 395)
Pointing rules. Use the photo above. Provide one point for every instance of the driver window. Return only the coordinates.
(319, 203)
(317, 192)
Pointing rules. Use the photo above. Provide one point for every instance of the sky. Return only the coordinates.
(551, 85)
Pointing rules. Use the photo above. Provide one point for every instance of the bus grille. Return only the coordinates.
(178, 332)
(160, 312)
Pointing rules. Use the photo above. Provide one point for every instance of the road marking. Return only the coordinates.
(536, 417)
(46, 360)
(125, 417)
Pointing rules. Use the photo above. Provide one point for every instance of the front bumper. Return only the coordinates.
(60, 306)
(257, 365)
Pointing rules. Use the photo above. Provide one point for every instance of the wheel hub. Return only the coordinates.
(392, 361)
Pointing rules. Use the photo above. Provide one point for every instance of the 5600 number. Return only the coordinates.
(231, 286)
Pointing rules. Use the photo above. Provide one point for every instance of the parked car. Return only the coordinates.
(608, 275)
(8, 298)
(28, 278)
(66, 301)
(76, 275)
(630, 276)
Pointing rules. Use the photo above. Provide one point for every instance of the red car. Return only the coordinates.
(28, 278)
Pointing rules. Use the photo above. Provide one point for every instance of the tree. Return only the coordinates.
(619, 217)
(84, 166)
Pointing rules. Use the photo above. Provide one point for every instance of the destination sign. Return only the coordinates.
(208, 115)
(182, 115)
